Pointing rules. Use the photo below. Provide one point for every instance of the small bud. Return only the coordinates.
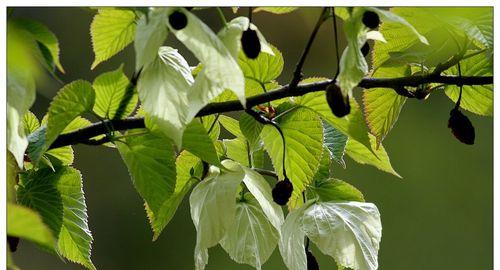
(13, 242)
(282, 192)
(177, 20)
(365, 49)
(339, 104)
(250, 43)
(371, 19)
(312, 264)
(461, 127)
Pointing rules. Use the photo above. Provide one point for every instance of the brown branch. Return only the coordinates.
(84, 135)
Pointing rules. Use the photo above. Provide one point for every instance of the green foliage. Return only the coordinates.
(57, 195)
(183, 183)
(303, 135)
(197, 141)
(71, 101)
(352, 125)
(46, 40)
(337, 190)
(378, 157)
(251, 130)
(276, 10)
(382, 106)
(231, 203)
(111, 30)
(37, 191)
(335, 143)
(114, 96)
(475, 98)
(75, 239)
(27, 224)
(151, 164)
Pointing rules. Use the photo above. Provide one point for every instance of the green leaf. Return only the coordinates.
(231, 125)
(353, 125)
(276, 10)
(20, 97)
(162, 88)
(264, 68)
(331, 189)
(213, 208)
(334, 142)
(37, 191)
(251, 130)
(362, 155)
(303, 134)
(150, 35)
(291, 243)
(184, 162)
(252, 238)
(111, 31)
(443, 27)
(30, 123)
(237, 150)
(348, 232)
(75, 239)
(27, 224)
(12, 177)
(211, 122)
(388, 16)
(114, 96)
(324, 170)
(150, 160)
(44, 36)
(197, 141)
(475, 98)
(70, 102)
(383, 105)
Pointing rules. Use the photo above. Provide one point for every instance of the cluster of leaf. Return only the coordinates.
(231, 202)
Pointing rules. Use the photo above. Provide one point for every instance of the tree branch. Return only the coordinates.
(84, 135)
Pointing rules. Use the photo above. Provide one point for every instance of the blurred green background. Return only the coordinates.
(438, 217)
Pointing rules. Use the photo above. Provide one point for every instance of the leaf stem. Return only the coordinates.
(222, 17)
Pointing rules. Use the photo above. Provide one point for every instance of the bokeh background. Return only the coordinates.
(438, 217)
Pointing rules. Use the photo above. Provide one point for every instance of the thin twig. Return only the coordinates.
(297, 74)
(335, 36)
(266, 172)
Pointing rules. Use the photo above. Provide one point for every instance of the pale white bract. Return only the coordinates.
(349, 232)
(162, 90)
(248, 230)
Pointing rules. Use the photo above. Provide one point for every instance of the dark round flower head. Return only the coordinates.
(339, 104)
(371, 19)
(365, 49)
(461, 127)
(282, 192)
(312, 263)
(13, 242)
(177, 20)
(250, 43)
